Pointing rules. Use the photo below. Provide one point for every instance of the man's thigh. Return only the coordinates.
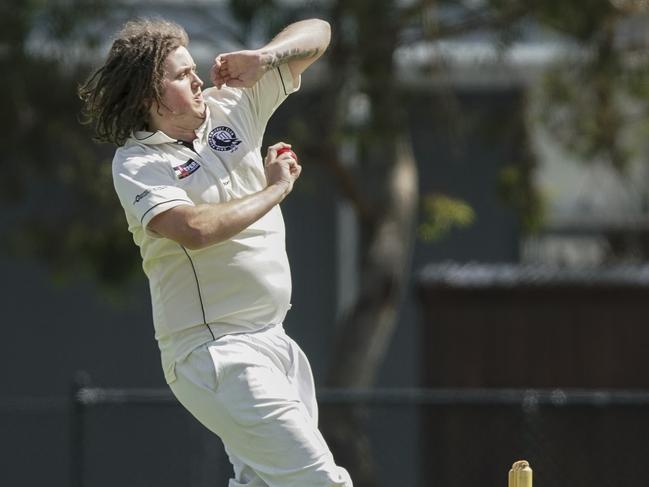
(254, 408)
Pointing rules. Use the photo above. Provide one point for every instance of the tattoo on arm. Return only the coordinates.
(290, 55)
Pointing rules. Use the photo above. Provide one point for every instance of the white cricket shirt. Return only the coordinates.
(241, 284)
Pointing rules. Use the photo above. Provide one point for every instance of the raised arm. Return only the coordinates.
(298, 45)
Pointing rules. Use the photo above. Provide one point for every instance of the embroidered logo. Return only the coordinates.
(146, 193)
(186, 169)
(141, 196)
(223, 139)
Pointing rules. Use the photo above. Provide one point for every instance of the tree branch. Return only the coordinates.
(474, 22)
(348, 185)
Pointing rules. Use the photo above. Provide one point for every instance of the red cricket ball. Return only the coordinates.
(286, 149)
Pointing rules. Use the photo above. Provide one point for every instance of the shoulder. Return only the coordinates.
(134, 155)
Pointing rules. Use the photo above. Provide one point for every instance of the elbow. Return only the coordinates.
(198, 235)
(192, 235)
(187, 226)
(326, 31)
(194, 238)
(325, 26)
(321, 29)
(191, 243)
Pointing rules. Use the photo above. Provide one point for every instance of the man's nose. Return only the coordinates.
(197, 80)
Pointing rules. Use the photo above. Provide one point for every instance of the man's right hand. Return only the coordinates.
(282, 170)
(240, 69)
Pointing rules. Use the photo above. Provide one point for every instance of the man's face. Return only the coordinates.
(182, 101)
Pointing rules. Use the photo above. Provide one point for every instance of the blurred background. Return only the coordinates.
(469, 245)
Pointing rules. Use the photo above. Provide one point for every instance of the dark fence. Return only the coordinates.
(512, 326)
(467, 437)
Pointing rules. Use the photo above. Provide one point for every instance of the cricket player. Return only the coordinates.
(203, 207)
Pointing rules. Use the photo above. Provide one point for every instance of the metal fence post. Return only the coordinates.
(80, 381)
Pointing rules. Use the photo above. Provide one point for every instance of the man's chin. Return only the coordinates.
(199, 115)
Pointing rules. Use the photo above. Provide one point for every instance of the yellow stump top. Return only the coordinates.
(520, 474)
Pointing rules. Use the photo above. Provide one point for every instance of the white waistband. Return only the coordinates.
(175, 348)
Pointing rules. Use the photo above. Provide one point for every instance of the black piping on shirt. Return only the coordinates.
(198, 288)
(282, 80)
(161, 203)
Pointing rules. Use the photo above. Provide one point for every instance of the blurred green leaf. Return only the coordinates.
(442, 214)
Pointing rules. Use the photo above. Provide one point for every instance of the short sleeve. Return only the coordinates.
(146, 187)
(270, 91)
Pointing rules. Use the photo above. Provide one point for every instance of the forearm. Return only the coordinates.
(196, 227)
(298, 46)
(299, 43)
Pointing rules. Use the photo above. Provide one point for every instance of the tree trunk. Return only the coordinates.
(367, 330)
(382, 187)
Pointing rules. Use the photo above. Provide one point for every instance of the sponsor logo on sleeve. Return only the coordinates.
(223, 138)
(141, 196)
(146, 193)
(184, 170)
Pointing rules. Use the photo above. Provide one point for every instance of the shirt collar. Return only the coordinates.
(152, 138)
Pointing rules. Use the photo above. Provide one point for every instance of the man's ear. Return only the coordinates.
(152, 107)
(147, 103)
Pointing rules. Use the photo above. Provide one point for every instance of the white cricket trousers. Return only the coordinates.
(256, 392)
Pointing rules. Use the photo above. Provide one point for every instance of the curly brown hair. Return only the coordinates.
(117, 96)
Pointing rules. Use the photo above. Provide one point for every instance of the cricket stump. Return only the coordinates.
(520, 474)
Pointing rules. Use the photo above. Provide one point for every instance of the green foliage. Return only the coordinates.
(514, 187)
(593, 103)
(584, 116)
(441, 214)
(60, 192)
(580, 19)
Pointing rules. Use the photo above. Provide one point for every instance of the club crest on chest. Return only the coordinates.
(223, 138)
